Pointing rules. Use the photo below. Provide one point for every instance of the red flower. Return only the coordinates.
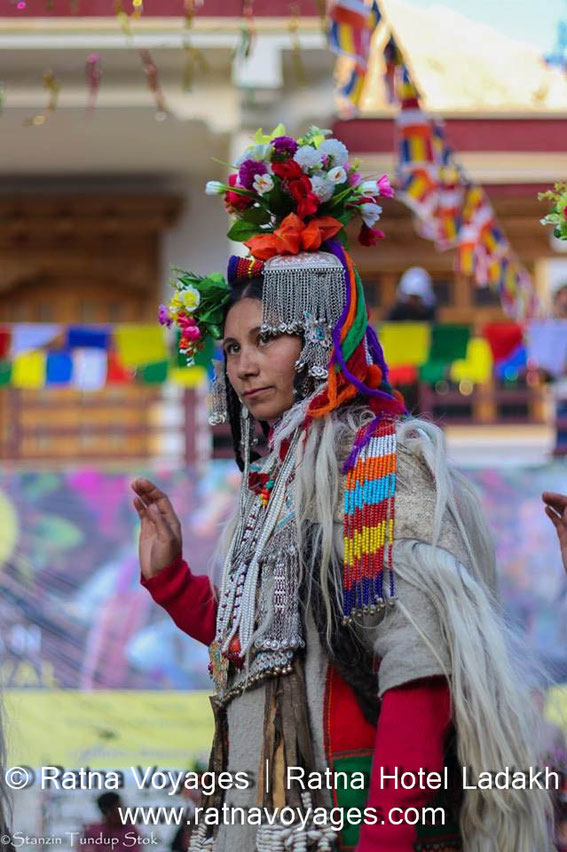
(299, 188)
(287, 171)
(233, 200)
(307, 206)
(370, 236)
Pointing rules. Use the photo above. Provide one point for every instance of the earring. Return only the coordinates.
(217, 401)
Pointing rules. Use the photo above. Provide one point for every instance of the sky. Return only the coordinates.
(524, 20)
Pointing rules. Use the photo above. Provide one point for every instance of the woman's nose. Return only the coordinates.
(247, 363)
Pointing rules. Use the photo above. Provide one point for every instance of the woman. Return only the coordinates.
(356, 628)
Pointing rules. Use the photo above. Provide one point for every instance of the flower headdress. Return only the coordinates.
(291, 198)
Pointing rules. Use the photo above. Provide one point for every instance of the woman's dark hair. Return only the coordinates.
(247, 289)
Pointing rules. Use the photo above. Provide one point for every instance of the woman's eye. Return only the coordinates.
(230, 348)
(264, 339)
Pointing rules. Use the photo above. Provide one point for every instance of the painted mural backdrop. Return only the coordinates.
(72, 611)
(73, 615)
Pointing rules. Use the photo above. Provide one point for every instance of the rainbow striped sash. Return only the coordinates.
(370, 487)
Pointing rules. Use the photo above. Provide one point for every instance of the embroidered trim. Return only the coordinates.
(369, 520)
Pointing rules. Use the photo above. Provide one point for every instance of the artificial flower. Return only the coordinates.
(287, 171)
(354, 179)
(248, 171)
(370, 236)
(337, 175)
(191, 333)
(294, 236)
(385, 187)
(370, 213)
(334, 149)
(299, 188)
(378, 187)
(322, 188)
(235, 200)
(263, 183)
(308, 158)
(307, 206)
(164, 317)
(284, 145)
(190, 298)
(213, 187)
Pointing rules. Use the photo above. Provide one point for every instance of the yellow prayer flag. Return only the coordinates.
(28, 370)
(188, 377)
(139, 345)
(406, 344)
(477, 366)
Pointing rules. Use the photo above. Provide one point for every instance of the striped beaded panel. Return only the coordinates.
(370, 487)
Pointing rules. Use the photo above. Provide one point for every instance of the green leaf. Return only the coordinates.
(242, 230)
(339, 197)
(256, 216)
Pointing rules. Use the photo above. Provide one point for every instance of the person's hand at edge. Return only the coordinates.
(556, 511)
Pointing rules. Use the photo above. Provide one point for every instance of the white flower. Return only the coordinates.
(308, 158)
(370, 187)
(263, 184)
(370, 214)
(214, 187)
(322, 187)
(337, 175)
(335, 149)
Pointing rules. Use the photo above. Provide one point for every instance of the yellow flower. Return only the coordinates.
(190, 299)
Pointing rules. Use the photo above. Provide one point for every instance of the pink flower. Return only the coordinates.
(354, 179)
(385, 187)
(164, 317)
(192, 333)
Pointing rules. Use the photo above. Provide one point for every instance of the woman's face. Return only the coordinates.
(260, 370)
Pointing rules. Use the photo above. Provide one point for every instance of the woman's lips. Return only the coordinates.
(254, 393)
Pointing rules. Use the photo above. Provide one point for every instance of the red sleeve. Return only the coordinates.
(189, 600)
(411, 729)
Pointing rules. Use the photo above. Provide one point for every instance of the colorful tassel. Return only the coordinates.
(369, 519)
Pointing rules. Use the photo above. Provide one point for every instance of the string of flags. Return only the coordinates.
(89, 358)
(351, 26)
(450, 209)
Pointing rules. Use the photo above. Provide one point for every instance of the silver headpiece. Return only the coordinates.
(302, 294)
(305, 294)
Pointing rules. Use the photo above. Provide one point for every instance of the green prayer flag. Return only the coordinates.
(449, 342)
(432, 371)
(5, 372)
(155, 374)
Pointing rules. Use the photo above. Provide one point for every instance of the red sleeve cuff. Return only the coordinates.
(190, 601)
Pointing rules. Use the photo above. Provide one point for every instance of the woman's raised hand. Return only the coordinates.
(160, 534)
(556, 510)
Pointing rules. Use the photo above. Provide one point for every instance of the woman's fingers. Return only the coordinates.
(151, 494)
(163, 529)
(553, 516)
(556, 501)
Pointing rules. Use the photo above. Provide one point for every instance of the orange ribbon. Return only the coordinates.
(294, 236)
